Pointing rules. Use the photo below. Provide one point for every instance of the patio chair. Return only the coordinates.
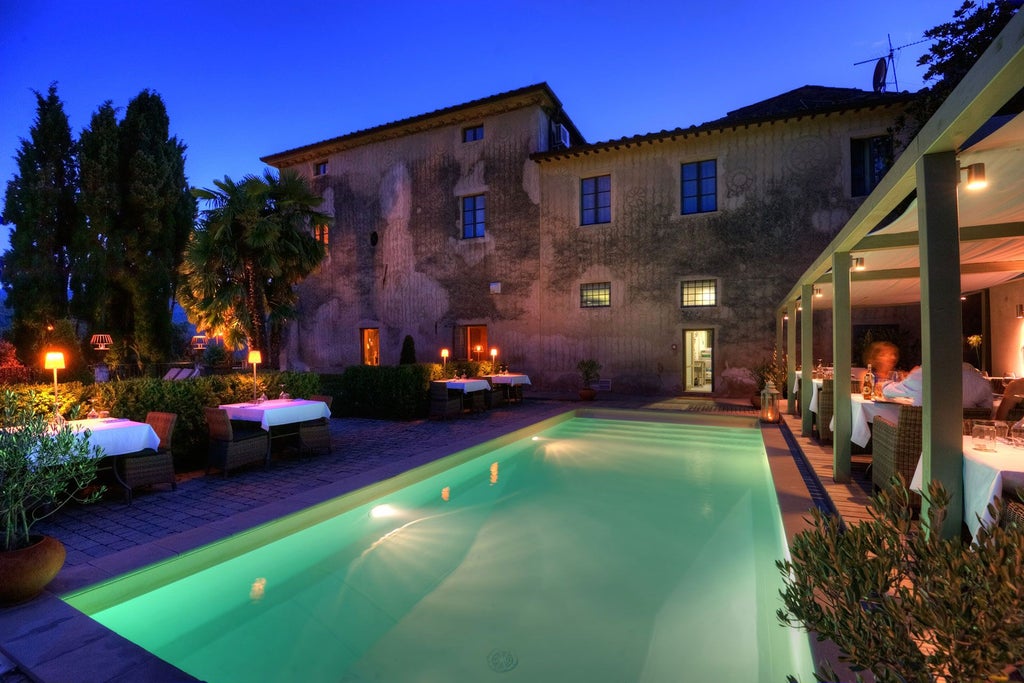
(315, 434)
(826, 407)
(146, 468)
(232, 445)
(897, 449)
(442, 404)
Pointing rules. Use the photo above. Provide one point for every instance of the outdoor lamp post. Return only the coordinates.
(255, 357)
(54, 361)
(769, 403)
(479, 350)
(444, 358)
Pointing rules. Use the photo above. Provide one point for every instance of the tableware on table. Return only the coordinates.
(983, 437)
(104, 414)
(1017, 433)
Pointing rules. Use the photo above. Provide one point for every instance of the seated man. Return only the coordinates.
(1012, 395)
(977, 392)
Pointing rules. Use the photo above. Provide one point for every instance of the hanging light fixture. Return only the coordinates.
(858, 263)
(975, 176)
(101, 342)
(1020, 311)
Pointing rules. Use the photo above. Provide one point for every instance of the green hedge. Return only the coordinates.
(389, 392)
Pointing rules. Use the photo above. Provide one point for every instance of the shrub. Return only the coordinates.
(384, 391)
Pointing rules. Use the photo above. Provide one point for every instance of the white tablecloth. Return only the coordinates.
(508, 379)
(986, 474)
(468, 385)
(117, 436)
(815, 390)
(278, 411)
(863, 413)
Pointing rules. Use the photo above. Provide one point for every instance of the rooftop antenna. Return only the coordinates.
(885, 64)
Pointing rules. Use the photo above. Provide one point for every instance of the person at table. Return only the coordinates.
(1012, 395)
(977, 392)
(882, 356)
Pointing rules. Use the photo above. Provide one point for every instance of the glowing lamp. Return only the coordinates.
(769, 403)
(444, 356)
(255, 357)
(54, 361)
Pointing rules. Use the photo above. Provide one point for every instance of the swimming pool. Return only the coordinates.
(594, 550)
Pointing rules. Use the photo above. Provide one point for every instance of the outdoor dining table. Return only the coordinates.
(986, 475)
(277, 412)
(508, 378)
(468, 386)
(116, 436)
(863, 413)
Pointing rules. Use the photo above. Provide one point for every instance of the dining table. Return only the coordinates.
(512, 383)
(863, 412)
(987, 474)
(277, 412)
(468, 386)
(115, 435)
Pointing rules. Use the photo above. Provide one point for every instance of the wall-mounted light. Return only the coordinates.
(1020, 310)
(818, 293)
(858, 263)
(975, 176)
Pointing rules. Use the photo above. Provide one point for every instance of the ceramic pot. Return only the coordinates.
(26, 571)
(587, 394)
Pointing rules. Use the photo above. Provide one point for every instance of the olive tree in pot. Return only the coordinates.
(42, 468)
(905, 604)
(590, 372)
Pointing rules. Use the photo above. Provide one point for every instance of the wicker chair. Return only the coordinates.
(826, 406)
(233, 446)
(442, 405)
(897, 448)
(146, 467)
(315, 434)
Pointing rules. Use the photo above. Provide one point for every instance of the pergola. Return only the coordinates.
(947, 241)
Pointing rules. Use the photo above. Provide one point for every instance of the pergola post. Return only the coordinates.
(941, 325)
(791, 359)
(806, 357)
(841, 333)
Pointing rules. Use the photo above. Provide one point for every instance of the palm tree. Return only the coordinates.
(253, 244)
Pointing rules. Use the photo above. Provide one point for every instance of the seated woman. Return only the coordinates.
(1012, 395)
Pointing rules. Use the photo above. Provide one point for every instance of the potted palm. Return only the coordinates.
(589, 370)
(42, 468)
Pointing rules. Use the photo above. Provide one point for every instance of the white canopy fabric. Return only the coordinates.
(890, 275)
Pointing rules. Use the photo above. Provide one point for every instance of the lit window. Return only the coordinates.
(699, 293)
(473, 133)
(869, 160)
(473, 214)
(322, 234)
(596, 200)
(700, 187)
(595, 294)
(320, 168)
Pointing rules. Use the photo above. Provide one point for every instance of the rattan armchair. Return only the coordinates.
(826, 407)
(232, 446)
(442, 404)
(897, 448)
(315, 434)
(146, 468)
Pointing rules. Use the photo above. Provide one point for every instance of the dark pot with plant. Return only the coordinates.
(42, 468)
(589, 370)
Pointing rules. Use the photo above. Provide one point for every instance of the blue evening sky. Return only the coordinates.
(245, 79)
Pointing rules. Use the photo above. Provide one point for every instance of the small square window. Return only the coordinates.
(699, 187)
(595, 295)
(473, 214)
(473, 133)
(596, 200)
(869, 160)
(320, 168)
(698, 293)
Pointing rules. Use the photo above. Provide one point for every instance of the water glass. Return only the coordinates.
(983, 437)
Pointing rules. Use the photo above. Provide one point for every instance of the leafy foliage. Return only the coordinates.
(41, 468)
(396, 392)
(905, 604)
(590, 371)
(252, 246)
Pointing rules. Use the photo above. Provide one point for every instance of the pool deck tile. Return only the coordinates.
(48, 640)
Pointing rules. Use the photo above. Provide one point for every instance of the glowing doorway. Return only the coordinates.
(698, 360)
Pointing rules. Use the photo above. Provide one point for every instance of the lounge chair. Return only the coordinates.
(315, 434)
(146, 468)
(233, 446)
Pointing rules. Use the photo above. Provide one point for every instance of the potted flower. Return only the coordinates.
(589, 370)
(42, 468)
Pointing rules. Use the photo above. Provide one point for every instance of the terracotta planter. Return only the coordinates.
(26, 571)
(587, 394)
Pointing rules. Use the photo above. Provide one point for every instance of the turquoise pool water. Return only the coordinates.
(596, 550)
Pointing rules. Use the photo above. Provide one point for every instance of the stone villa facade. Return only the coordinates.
(494, 224)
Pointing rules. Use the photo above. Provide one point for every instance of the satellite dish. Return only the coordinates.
(881, 71)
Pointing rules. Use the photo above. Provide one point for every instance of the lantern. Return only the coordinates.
(769, 403)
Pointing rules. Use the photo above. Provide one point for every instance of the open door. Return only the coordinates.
(698, 360)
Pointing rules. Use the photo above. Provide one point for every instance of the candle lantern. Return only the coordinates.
(769, 403)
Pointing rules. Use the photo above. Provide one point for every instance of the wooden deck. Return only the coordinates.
(850, 500)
